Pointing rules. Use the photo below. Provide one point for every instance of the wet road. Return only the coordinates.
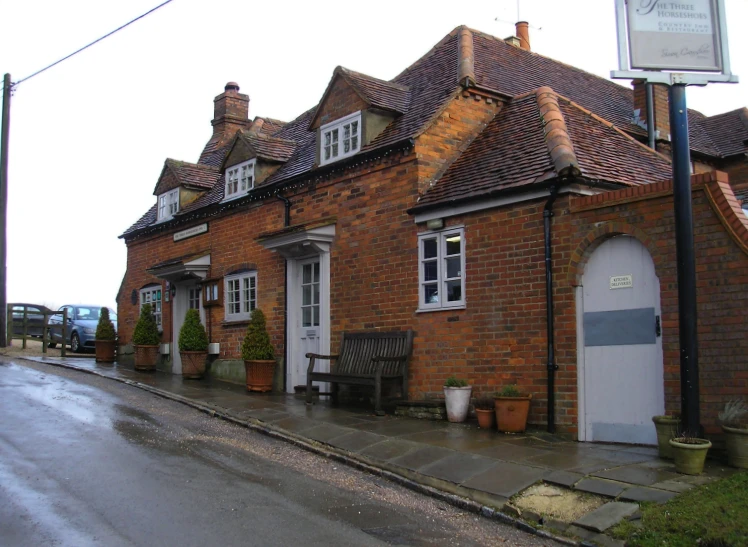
(88, 461)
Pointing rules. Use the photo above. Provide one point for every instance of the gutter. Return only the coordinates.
(551, 367)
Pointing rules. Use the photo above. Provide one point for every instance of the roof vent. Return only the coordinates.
(512, 41)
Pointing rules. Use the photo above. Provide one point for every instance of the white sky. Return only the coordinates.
(89, 136)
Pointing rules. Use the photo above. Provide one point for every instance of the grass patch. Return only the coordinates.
(713, 515)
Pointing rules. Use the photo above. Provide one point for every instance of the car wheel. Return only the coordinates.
(75, 343)
(51, 343)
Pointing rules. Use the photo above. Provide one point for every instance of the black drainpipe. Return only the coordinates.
(552, 367)
(650, 117)
(286, 223)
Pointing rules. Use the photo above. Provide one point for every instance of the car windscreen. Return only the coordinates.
(87, 313)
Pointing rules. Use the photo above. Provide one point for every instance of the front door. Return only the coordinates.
(308, 317)
(187, 297)
(621, 382)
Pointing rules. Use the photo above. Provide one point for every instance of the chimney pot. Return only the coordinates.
(231, 86)
(523, 33)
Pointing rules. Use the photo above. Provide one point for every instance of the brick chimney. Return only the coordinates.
(230, 112)
(522, 29)
(660, 105)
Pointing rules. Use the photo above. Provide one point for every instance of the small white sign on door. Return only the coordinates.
(621, 282)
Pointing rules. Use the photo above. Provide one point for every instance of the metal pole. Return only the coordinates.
(689, 364)
(4, 202)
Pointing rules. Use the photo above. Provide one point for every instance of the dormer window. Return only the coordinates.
(340, 139)
(240, 179)
(168, 204)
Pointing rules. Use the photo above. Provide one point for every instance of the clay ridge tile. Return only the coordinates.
(556, 134)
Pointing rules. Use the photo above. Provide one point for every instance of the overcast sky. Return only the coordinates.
(89, 137)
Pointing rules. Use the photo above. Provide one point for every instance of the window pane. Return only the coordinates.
(307, 274)
(429, 248)
(354, 143)
(335, 150)
(334, 135)
(354, 128)
(431, 293)
(327, 139)
(316, 272)
(346, 146)
(327, 152)
(306, 317)
(347, 131)
(430, 271)
(315, 317)
(453, 245)
(454, 291)
(306, 295)
(315, 294)
(453, 267)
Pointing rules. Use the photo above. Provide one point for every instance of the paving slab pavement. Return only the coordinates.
(459, 460)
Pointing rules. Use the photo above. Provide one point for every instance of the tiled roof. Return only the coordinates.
(527, 144)
(191, 174)
(729, 131)
(143, 222)
(270, 148)
(379, 93)
(432, 81)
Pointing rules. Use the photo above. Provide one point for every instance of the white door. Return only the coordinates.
(308, 316)
(621, 384)
(187, 297)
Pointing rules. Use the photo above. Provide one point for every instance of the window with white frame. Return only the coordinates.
(340, 139)
(240, 295)
(441, 269)
(152, 295)
(168, 204)
(240, 179)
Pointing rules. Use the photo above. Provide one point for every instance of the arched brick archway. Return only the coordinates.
(595, 238)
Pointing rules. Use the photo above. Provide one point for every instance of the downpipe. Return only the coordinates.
(551, 364)
(286, 223)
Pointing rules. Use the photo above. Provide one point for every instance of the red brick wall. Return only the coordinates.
(340, 101)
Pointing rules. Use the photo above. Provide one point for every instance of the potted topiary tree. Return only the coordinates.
(484, 410)
(734, 420)
(193, 345)
(512, 408)
(457, 397)
(258, 354)
(146, 338)
(106, 338)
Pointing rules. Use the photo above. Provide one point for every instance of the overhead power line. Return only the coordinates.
(92, 43)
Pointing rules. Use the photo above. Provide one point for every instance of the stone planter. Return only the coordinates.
(105, 350)
(146, 357)
(667, 428)
(690, 455)
(511, 413)
(458, 401)
(260, 374)
(486, 418)
(193, 364)
(737, 446)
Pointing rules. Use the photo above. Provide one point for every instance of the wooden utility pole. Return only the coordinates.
(7, 88)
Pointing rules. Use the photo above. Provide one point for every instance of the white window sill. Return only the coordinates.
(448, 308)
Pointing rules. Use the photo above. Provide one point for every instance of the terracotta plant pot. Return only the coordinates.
(511, 413)
(458, 402)
(193, 364)
(690, 456)
(105, 350)
(736, 440)
(260, 375)
(667, 427)
(486, 418)
(146, 357)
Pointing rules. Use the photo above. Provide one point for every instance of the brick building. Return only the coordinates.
(447, 201)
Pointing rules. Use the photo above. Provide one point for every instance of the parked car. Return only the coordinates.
(34, 318)
(80, 331)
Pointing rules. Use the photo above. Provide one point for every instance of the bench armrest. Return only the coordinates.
(314, 356)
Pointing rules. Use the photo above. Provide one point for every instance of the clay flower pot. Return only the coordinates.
(260, 374)
(146, 357)
(690, 454)
(667, 427)
(105, 350)
(193, 364)
(486, 418)
(512, 412)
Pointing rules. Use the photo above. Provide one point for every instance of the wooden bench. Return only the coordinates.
(366, 359)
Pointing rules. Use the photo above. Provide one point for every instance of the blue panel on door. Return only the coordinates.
(620, 327)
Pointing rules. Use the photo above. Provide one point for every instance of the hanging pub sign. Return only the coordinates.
(674, 36)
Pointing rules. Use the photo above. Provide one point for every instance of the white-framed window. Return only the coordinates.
(240, 179)
(168, 204)
(340, 139)
(152, 295)
(241, 295)
(441, 269)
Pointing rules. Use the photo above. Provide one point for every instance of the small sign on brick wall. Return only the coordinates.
(191, 232)
(621, 281)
